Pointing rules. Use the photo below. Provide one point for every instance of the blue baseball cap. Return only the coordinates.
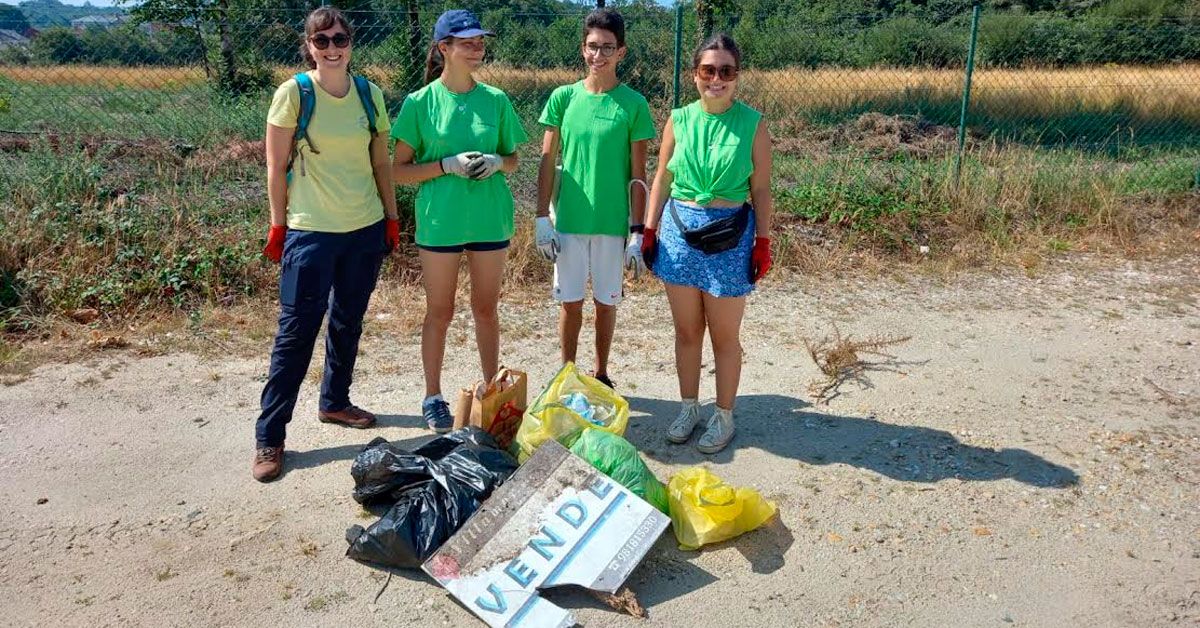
(458, 23)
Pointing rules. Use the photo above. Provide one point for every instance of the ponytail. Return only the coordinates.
(434, 64)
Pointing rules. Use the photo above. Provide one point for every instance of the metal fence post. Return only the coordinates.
(966, 97)
(678, 51)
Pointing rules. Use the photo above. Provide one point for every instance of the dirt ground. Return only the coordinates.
(1030, 457)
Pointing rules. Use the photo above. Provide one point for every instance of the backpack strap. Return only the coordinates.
(308, 102)
(363, 87)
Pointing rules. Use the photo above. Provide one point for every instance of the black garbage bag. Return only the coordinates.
(431, 493)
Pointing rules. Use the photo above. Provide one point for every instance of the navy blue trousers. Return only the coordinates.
(320, 272)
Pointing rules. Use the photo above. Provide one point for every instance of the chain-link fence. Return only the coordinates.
(850, 97)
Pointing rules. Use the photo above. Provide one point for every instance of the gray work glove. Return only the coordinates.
(484, 165)
(633, 256)
(457, 164)
(546, 238)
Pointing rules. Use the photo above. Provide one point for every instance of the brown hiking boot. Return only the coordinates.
(351, 416)
(268, 463)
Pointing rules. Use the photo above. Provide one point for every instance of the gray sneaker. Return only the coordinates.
(437, 415)
(681, 429)
(717, 433)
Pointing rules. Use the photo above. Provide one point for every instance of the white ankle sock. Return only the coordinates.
(432, 398)
(688, 402)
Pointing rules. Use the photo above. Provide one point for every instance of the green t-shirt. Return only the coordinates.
(437, 123)
(332, 191)
(713, 155)
(597, 131)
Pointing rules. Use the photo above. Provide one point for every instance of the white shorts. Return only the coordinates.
(600, 256)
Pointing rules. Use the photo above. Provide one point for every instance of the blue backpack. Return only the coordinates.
(308, 102)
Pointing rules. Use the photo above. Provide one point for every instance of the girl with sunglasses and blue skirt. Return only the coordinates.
(708, 233)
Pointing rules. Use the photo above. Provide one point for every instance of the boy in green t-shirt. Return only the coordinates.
(601, 126)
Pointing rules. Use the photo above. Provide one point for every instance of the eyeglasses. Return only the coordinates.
(605, 50)
(340, 40)
(709, 72)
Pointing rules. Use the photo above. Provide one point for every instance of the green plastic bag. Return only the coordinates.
(618, 459)
(547, 418)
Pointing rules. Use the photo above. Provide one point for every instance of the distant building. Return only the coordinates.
(10, 38)
(96, 21)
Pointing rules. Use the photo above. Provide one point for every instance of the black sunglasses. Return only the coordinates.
(709, 72)
(605, 50)
(340, 40)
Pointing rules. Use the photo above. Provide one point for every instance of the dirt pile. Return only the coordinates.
(882, 136)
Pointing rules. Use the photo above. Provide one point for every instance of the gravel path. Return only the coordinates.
(1014, 464)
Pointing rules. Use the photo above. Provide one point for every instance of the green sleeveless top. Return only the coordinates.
(712, 157)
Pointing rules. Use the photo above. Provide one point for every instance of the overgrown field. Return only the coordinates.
(150, 198)
(1106, 105)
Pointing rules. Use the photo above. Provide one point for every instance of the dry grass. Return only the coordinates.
(147, 77)
(1033, 92)
(840, 360)
(514, 80)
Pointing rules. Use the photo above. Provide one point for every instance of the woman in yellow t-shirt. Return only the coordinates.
(333, 219)
(458, 138)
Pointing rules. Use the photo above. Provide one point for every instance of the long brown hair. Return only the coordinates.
(320, 19)
(434, 63)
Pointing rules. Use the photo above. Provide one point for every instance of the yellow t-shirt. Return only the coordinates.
(333, 190)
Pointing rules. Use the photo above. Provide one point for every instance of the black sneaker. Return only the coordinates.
(603, 379)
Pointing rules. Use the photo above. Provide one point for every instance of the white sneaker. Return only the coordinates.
(717, 433)
(683, 426)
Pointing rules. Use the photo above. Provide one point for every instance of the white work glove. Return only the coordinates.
(484, 165)
(546, 238)
(457, 164)
(633, 256)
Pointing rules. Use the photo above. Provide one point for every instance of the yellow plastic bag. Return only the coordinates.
(704, 509)
(549, 418)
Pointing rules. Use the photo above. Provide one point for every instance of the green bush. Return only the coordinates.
(1141, 41)
(279, 43)
(1015, 40)
(907, 41)
(15, 55)
(778, 42)
(56, 46)
(122, 46)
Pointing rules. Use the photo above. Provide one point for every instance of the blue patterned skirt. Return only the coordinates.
(725, 274)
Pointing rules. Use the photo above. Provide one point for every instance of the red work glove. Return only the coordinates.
(649, 247)
(274, 249)
(392, 237)
(760, 259)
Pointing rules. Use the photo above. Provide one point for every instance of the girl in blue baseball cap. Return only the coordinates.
(457, 138)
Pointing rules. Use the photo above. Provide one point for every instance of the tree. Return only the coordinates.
(194, 15)
(185, 17)
(12, 19)
(57, 45)
(708, 10)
